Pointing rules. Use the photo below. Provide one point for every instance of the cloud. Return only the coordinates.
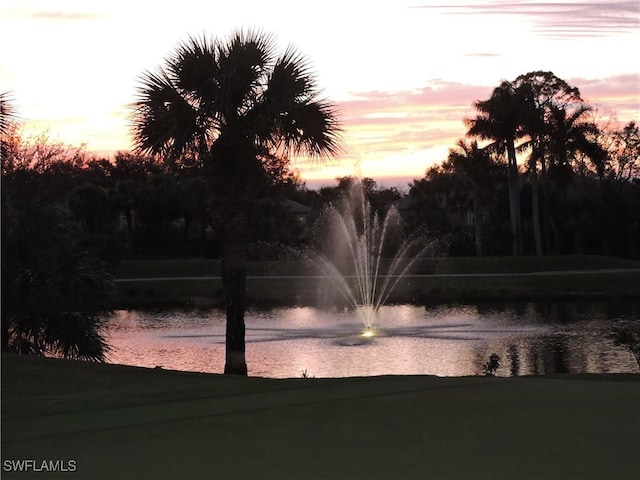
(423, 123)
(384, 127)
(559, 19)
(619, 94)
(626, 85)
(56, 15)
(482, 54)
(380, 114)
(439, 102)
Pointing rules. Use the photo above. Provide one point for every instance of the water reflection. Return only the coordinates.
(447, 340)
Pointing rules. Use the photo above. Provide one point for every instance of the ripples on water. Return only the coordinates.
(445, 341)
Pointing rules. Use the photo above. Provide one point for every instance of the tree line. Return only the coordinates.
(535, 160)
(571, 183)
(134, 205)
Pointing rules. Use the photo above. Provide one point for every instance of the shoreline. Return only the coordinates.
(289, 290)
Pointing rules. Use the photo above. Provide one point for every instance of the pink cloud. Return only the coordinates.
(412, 118)
(441, 106)
(62, 16)
(388, 124)
(556, 19)
(416, 117)
(619, 95)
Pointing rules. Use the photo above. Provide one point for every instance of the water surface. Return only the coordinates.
(445, 340)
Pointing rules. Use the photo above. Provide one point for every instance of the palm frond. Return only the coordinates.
(52, 292)
(237, 93)
(482, 127)
(291, 79)
(77, 335)
(310, 128)
(164, 120)
(7, 112)
(244, 61)
(194, 69)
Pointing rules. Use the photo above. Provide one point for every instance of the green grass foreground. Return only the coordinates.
(118, 422)
(173, 282)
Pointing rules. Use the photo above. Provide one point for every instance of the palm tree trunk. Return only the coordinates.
(546, 207)
(535, 205)
(514, 200)
(234, 281)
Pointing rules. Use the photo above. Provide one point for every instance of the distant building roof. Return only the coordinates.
(403, 203)
(295, 207)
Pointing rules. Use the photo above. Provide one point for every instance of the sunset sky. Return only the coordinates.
(404, 74)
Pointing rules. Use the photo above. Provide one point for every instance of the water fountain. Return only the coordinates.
(355, 261)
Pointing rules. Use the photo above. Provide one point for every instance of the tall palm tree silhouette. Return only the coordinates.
(473, 164)
(500, 119)
(569, 132)
(541, 91)
(242, 108)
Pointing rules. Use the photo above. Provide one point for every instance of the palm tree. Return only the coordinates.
(540, 91)
(473, 164)
(238, 105)
(567, 134)
(500, 120)
(53, 293)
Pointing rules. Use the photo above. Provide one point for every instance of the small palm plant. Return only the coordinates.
(490, 368)
(629, 338)
(53, 293)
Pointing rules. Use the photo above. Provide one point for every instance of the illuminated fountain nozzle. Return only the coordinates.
(368, 332)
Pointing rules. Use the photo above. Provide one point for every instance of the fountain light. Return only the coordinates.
(368, 333)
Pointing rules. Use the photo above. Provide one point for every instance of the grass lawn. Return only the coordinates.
(152, 282)
(126, 423)
(188, 267)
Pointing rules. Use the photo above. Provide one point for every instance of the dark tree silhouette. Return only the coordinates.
(473, 164)
(239, 107)
(500, 120)
(624, 154)
(90, 204)
(53, 294)
(568, 133)
(540, 92)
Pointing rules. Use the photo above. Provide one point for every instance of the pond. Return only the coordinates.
(453, 340)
